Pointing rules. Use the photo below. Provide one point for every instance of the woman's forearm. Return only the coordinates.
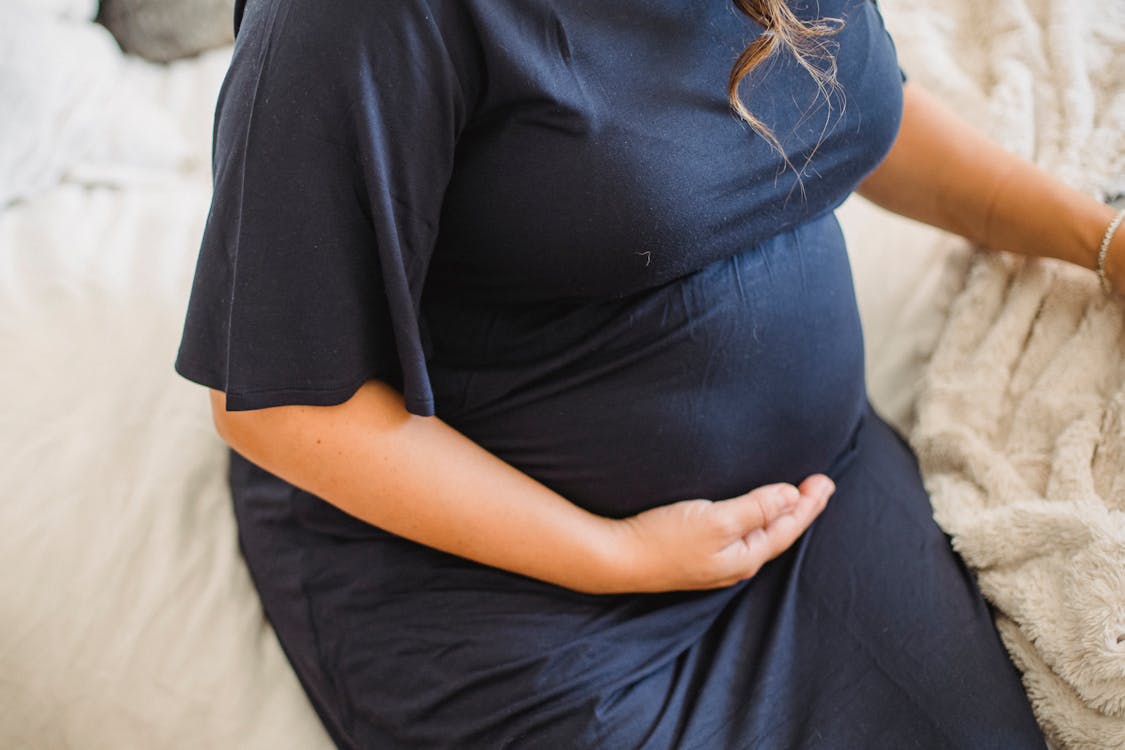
(944, 172)
(377, 462)
(419, 478)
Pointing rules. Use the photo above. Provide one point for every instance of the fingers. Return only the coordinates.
(758, 507)
(764, 541)
(818, 484)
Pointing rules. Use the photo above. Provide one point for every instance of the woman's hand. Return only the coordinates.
(373, 460)
(704, 544)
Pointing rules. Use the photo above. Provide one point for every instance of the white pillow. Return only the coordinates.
(75, 10)
(68, 112)
(166, 30)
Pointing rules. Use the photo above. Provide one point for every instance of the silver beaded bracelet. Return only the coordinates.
(1103, 250)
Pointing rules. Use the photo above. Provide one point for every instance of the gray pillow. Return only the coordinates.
(164, 30)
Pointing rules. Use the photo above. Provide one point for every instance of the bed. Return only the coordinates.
(128, 618)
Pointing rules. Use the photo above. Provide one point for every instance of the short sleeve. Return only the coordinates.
(334, 136)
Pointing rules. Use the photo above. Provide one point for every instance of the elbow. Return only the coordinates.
(248, 430)
(220, 417)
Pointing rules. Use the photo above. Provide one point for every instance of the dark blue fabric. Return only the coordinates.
(541, 221)
(527, 152)
(868, 634)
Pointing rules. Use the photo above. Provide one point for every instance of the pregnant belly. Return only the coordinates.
(746, 372)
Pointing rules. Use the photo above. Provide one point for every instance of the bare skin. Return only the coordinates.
(421, 479)
(943, 172)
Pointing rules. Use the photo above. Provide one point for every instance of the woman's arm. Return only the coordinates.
(421, 479)
(944, 172)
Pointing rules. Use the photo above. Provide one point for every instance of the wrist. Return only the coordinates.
(610, 560)
(1115, 263)
(1110, 252)
(627, 561)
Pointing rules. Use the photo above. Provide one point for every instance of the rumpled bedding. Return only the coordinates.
(127, 618)
(1020, 419)
(77, 110)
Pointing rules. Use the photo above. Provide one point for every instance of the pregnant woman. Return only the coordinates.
(533, 335)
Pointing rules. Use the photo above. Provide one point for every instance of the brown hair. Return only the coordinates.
(807, 41)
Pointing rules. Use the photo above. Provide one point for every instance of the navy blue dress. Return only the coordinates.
(540, 221)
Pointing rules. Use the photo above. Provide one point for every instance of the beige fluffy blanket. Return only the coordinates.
(1020, 418)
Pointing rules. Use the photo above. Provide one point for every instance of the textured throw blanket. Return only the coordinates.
(1020, 420)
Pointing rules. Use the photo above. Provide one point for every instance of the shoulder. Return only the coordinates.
(331, 61)
(352, 25)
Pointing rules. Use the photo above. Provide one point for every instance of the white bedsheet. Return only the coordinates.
(127, 619)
